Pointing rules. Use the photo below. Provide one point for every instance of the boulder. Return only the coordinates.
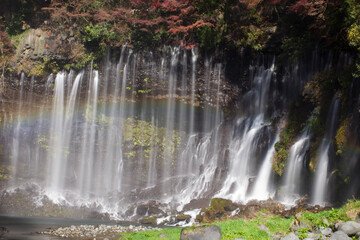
(339, 235)
(219, 208)
(197, 203)
(350, 228)
(148, 209)
(324, 231)
(220, 204)
(290, 236)
(201, 233)
(183, 217)
(338, 223)
(312, 236)
(149, 221)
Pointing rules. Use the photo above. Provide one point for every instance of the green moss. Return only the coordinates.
(324, 218)
(5, 172)
(44, 67)
(321, 88)
(149, 220)
(183, 217)
(143, 134)
(297, 118)
(217, 209)
(341, 137)
(302, 233)
(17, 39)
(220, 204)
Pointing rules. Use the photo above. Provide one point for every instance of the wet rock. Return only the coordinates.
(130, 212)
(148, 209)
(197, 203)
(183, 217)
(98, 215)
(350, 228)
(290, 236)
(219, 208)
(220, 204)
(148, 221)
(339, 235)
(201, 233)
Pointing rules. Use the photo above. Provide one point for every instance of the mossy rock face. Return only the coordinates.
(148, 221)
(219, 208)
(220, 204)
(183, 217)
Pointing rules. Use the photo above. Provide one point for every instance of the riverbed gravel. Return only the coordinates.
(95, 231)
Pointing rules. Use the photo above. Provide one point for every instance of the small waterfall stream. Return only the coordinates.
(292, 180)
(263, 188)
(320, 195)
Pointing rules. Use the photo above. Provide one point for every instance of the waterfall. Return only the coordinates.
(263, 188)
(292, 183)
(156, 126)
(15, 147)
(243, 148)
(320, 188)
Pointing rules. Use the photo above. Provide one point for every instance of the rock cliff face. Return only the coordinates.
(43, 48)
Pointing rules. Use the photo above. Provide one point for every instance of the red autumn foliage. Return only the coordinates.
(179, 18)
(185, 29)
(300, 7)
(275, 1)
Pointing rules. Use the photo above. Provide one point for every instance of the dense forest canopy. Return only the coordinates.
(207, 23)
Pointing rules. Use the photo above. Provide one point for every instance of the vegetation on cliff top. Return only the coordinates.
(290, 27)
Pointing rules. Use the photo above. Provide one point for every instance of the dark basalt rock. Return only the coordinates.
(197, 203)
(149, 208)
(148, 221)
